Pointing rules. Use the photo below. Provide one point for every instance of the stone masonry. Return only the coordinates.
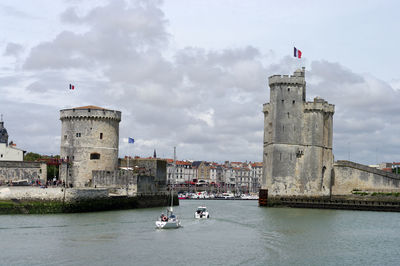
(16, 171)
(297, 157)
(89, 141)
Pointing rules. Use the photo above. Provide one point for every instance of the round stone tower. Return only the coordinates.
(89, 141)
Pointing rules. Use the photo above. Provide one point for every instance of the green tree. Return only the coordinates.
(31, 157)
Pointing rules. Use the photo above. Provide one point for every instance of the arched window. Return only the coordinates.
(94, 156)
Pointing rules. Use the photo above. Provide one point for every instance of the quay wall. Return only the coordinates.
(350, 176)
(349, 202)
(50, 194)
(33, 200)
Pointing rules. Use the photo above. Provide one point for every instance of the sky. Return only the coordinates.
(194, 74)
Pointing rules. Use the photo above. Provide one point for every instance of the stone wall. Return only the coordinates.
(349, 176)
(14, 171)
(118, 178)
(50, 194)
(122, 182)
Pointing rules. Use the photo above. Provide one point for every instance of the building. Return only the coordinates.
(297, 157)
(8, 151)
(256, 169)
(298, 163)
(89, 142)
(12, 166)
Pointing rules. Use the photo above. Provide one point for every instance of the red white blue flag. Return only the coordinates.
(297, 53)
(71, 87)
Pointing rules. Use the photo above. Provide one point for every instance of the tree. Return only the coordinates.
(31, 157)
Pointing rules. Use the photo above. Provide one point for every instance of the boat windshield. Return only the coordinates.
(202, 209)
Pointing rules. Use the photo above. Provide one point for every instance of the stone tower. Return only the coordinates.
(89, 141)
(298, 159)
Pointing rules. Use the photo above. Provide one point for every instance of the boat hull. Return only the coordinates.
(168, 224)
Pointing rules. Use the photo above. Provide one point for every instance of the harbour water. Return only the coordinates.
(237, 233)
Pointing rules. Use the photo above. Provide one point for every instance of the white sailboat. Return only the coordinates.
(170, 220)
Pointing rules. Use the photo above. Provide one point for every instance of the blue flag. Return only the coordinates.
(131, 140)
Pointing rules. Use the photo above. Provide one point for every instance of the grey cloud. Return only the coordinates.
(366, 111)
(208, 103)
(11, 11)
(13, 49)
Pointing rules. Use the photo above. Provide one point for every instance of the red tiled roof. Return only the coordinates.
(182, 163)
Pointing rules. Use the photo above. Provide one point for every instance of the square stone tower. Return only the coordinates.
(298, 159)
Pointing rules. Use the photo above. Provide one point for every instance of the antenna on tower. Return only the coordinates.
(1, 120)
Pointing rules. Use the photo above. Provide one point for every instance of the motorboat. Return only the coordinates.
(201, 213)
(228, 196)
(169, 221)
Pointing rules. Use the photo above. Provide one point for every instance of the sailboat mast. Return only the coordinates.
(173, 178)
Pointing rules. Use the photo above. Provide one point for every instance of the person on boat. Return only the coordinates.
(163, 217)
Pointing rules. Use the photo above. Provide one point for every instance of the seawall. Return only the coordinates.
(370, 202)
(33, 200)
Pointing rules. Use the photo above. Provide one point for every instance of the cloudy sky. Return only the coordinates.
(193, 74)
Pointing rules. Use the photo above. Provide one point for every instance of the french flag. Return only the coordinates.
(71, 87)
(297, 53)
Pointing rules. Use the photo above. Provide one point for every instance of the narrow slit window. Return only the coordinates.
(101, 135)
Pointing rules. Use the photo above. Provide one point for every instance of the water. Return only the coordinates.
(238, 233)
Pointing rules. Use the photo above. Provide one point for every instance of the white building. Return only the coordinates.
(8, 152)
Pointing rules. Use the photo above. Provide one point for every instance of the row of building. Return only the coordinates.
(244, 177)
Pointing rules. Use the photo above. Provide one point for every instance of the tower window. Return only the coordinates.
(283, 101)
(94, 156)
(288, 89)
(78, 135)
(65, 136)
(293, 101)
(288, 116)
(101, 135)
